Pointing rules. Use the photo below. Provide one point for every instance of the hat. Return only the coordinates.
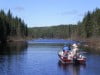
(74, 45)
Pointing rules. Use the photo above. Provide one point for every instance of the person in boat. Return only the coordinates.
(75, 50)
(66, 49)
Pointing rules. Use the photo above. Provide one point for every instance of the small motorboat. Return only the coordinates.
(69, 58)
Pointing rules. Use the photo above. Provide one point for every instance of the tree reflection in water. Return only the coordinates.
(13, 48)
(10, 55)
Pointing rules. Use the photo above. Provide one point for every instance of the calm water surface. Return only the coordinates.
(38, 58)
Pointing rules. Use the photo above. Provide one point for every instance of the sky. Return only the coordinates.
(38, 13)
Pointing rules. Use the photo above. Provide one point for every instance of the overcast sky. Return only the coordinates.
(38, 13)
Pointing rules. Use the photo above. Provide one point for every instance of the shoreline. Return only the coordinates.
(18, 39)
(91, 44)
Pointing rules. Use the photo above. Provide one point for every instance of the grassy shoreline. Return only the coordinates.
(91, 44)
(18, 39)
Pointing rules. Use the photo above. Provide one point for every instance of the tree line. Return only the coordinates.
(14, 27)
(61, 31)
(87, 28)
(90, 26)
(11, 27)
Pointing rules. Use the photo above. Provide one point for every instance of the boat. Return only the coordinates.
(70, 59)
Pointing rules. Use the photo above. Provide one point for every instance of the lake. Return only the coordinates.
(39, 57)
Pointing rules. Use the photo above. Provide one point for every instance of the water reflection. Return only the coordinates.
(10, 55)
(13, 48)
(41, 59)
(71, 69)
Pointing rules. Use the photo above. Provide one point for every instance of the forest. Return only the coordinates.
(11, 27)
(89, 27)
(61, 31)
(15, 28)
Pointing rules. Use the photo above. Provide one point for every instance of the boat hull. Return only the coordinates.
(73, 60)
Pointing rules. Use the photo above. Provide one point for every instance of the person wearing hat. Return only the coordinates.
(75, 49)
(74, 45)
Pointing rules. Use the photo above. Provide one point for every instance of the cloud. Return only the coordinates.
(72, 12)
(19, 8)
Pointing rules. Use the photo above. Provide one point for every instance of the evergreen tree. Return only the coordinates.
(11, 27)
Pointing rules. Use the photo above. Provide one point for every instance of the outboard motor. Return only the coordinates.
(75, 60)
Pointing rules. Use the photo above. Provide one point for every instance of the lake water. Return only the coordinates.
(39, 57)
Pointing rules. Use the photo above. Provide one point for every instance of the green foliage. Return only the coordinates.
(91, 24)
(11, 27)
(61, 31)
(87, 25)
